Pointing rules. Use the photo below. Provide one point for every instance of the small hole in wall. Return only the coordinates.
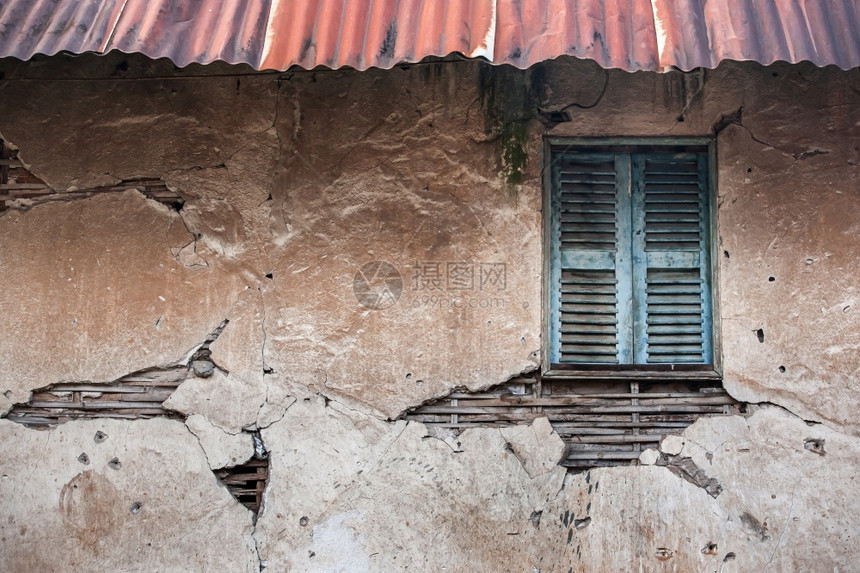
(270, 276)
(408, 375)
(782, 369)
(771, 279)
(749, 169)
(710, 549)
(135, 507)
(760, 334)
(303, 521)
(680, 118)
(726, 254)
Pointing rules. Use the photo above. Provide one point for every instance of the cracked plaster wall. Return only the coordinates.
(292, 183)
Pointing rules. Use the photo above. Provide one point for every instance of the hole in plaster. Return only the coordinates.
(303, 521)
(582, 523)
(115, 464)
(247, 482)
(726, 254)
(135, 507)
(270, 276)
(729, 556)
(680, 118)
(760, 334)
(771, 279)
(846, 308)
(535, 518)
(8, 394)
(782, 369)
(311, 554)
(100, 437)
(664, 553)
(749, 169)
(814, 445)
(84, 458)
(710, 549)
(408, 375)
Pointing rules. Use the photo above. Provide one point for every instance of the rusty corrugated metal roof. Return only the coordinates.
(278, 34)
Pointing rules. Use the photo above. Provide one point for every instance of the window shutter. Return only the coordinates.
(590, 281)
(671, 277)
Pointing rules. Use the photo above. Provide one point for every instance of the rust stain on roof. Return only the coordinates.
(278, 34)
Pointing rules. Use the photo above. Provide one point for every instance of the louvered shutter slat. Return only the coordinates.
(671, 270)
(585, 233)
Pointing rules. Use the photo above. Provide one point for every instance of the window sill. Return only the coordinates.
(703, 372)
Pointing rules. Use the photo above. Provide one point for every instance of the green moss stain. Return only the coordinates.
(515, 151)
(510, 100)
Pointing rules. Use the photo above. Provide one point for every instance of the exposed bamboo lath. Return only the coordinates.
(247, 482)
(16, 182)
(605, 423)
(136, 396)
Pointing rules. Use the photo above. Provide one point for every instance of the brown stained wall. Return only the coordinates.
(293, 182)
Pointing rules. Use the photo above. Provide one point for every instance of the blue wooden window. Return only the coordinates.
(630, 272)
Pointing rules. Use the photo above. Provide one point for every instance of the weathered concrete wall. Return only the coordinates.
(293, 184)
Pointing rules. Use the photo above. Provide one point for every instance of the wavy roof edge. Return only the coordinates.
(633, 35)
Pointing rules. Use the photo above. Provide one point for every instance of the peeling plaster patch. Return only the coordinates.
(90, 273)
(330, 461)
(226, 401)
(138, 395)
(537, 446)
(93, 517)
(754, 525)
(687, 469)
(222, 449)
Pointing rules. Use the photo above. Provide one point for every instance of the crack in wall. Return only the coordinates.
(736, 118)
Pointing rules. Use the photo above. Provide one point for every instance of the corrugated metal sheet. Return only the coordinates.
(278, 34)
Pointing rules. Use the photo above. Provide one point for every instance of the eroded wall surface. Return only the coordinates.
(374, 240)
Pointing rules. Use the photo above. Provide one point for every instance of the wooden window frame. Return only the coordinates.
(632, 371)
